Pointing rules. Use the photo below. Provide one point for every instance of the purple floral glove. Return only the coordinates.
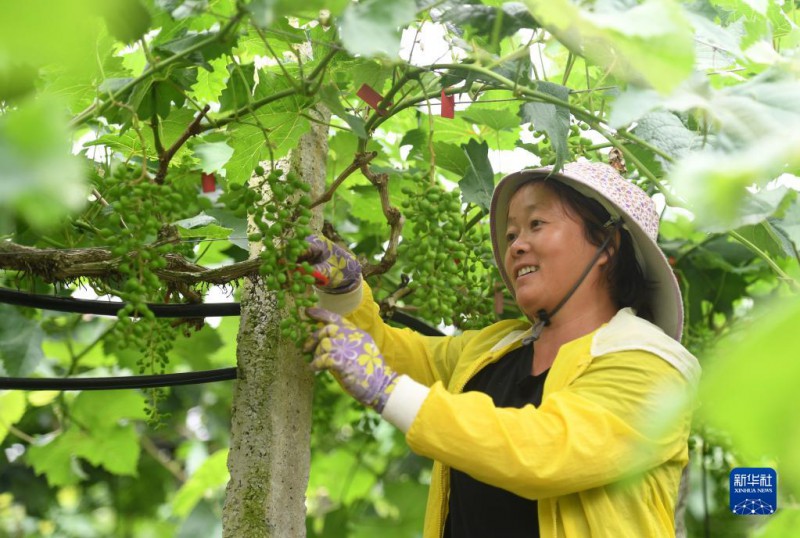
(337, 265)
(353, 358)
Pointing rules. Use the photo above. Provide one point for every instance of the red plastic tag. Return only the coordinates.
(209, 183)
(371, 97)
(448, 105)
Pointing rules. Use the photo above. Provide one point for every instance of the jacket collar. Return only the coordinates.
(628, 332)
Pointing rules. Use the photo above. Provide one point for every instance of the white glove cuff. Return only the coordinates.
(340, 303)
(404, 403)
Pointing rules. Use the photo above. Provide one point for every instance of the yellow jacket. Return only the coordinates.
(603, 453)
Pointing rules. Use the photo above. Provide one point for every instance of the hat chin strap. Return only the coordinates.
(544, 317)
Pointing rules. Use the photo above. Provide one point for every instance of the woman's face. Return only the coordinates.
(548, 251)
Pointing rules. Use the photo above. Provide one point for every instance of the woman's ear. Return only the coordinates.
(610, 250)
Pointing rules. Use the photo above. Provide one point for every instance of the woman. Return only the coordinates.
(553, 426)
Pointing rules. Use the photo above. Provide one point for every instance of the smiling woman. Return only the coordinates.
(611, 269)
(547, 254)
(549, 425)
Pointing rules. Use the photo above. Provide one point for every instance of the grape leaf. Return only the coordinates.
(667, 132)
(115, 449)
(511, 17)
(279, 128)
(330, 96)
(631, 105)
(478, 183)
(20, 342)
(213, 155)
(497, 118)
(789, 224)
(127, 20)
(210, 231)
(550, 118)
(451, 157)
(758, 430)
(56, 460)
(104, 409)
(212, 473)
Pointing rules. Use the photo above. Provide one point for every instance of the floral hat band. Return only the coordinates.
(625, 202)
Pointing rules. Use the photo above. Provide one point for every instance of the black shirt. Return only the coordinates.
(478, 510)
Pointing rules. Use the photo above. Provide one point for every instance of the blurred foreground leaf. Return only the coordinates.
(372, 28)
(650, 43)
(12, 407)
(38, 169)
(748, 385)
(717, 182)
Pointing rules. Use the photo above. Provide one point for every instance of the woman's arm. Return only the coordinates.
(426, 359)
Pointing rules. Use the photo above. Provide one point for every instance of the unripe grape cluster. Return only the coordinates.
(475, 304)
(138, 210)
(444, 259)
(280, 206)
(577, 144)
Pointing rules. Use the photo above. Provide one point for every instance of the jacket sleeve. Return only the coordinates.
(622, 416)
(426, 359)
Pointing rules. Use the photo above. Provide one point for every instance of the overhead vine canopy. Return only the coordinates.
(139, 137)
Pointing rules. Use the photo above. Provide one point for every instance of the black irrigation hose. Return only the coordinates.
(413, 323)
(82, 306)
(105, 308)
(114, 383)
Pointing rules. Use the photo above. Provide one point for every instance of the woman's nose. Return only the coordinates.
(518, 246)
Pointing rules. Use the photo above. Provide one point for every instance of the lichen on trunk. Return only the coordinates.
(269, 456)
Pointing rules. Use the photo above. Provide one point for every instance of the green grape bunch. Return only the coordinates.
(474, 309)
(134, 225)
(279, 204)
(577, 145)
(444, 258)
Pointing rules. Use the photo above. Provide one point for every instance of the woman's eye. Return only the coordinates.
(510, 237)
(535, 223)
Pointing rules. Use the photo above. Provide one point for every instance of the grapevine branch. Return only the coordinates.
(393, 217)
(166, 156)
(360, 160)
(64, 265)
(388, 305)
(70, 264)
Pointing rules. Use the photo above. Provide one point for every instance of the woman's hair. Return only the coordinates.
(625, 278)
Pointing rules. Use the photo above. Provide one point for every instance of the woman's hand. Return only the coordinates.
(353, 358)
(334, 263)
